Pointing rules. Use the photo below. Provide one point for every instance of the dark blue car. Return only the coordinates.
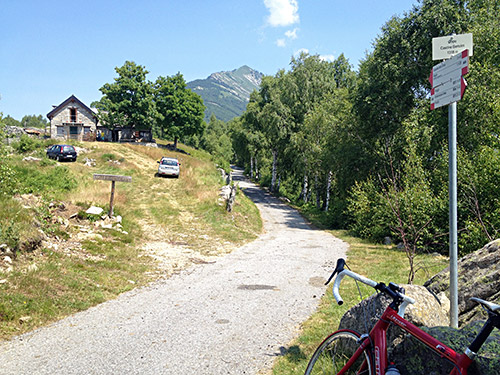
(62, 152)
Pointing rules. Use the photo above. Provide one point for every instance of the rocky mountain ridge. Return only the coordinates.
(226, 93)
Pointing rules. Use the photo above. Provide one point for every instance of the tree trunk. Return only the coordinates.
(318, 193)
(328, 186)
(303, 194)
(256, 169)
(251, 167)
(275, 170)
(175, 142)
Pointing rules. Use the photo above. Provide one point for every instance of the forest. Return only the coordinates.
(362, 147)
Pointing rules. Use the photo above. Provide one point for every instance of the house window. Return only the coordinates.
(73, 130)
(72, 115)
(86, 130)
(60, 130)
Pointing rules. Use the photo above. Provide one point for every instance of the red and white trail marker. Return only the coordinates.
(448, 84)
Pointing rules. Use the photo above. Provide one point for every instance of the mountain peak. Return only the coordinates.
(226, 93)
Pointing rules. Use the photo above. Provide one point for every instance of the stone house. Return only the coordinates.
(72, 119)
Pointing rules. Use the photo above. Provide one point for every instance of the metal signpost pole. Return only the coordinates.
(448, 86)
(452, 168)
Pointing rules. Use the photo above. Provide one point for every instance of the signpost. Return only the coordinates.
(448, 86)
(447, 46)
(448, 93)
(112, 178)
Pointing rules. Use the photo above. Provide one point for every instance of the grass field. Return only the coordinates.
(79, 265)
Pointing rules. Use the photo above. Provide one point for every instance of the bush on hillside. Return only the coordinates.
(27, 144)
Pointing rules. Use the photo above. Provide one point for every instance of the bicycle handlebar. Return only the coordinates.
(355, 276)
(404, 300)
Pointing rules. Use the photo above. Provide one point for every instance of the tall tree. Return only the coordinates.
(180, 111)
(10, 121)
(34, 122)
(128, 101)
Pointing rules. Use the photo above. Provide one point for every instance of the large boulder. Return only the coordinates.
(413, 358)
(429, 310)
(478, 276)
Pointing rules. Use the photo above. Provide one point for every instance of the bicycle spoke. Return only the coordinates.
(334, 353)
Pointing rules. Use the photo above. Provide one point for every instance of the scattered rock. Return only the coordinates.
(225, 192)
(32, 267)
(25, 319)
(7, 259)
(89, 162)
(31, 158)
(62, 221)
(80, 150)
(94, 210)
(285, 199)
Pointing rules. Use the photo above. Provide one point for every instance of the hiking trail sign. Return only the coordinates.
(448, 86)
(113, 178)
(447, 81)
(446, 46)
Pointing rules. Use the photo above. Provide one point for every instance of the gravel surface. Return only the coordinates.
(233, 316)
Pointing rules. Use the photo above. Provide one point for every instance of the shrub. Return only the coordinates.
(27, 144)
(368, 211)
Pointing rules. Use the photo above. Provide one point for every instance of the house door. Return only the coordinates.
(73, 132)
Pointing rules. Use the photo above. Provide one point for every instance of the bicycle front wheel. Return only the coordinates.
(334, 352)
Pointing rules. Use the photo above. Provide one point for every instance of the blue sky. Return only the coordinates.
(52, 49)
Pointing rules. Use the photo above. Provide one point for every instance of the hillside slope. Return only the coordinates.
(226, 94)
(56, 259)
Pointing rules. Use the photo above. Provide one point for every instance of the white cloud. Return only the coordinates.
(282, 12)
(302, 50)
(291, 34)
(328, 58)
(281, 42)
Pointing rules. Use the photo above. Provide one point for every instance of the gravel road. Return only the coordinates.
(232, 316)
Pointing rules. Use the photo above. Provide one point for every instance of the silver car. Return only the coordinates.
(169, 167)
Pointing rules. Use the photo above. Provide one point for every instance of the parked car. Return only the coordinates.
(62, 152)
(169, 167)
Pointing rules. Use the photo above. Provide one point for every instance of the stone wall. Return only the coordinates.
(62, 120)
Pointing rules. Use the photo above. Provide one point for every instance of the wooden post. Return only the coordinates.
(113, 179)
(111, 200)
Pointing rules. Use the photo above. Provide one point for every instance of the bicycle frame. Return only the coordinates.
(378, 343)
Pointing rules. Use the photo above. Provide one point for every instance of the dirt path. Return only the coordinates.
(232, 315)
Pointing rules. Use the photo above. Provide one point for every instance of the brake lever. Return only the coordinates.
(338, 269)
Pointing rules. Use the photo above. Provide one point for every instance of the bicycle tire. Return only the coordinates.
(334, 352)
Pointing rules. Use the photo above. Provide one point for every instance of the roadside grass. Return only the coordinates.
(50, 283)
(377, 262)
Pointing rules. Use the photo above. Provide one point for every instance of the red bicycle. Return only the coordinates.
(348, 352)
